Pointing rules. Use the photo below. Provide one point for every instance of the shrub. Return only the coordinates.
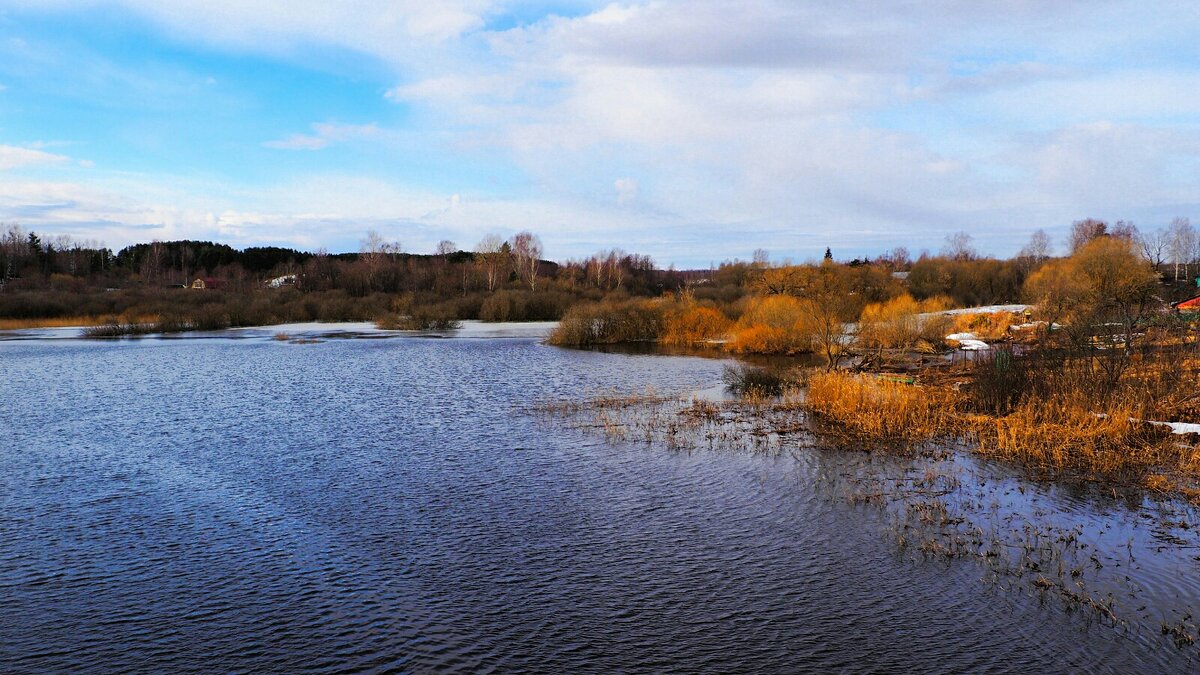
(987, 326)
(609, 322)
(430, 317)
(1000, 381)
(746, 379)
(695, 323)
(775, 324)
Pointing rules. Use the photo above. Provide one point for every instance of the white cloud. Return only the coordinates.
(13, 157)
(325, 134)
(627, 190)
(808, 124)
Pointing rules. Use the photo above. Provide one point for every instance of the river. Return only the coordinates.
(233, 502)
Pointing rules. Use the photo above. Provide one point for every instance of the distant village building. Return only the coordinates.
(280, 282)
(199, 283)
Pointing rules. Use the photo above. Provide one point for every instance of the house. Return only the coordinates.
(1189, 305)
(280, 282)
(199, 283)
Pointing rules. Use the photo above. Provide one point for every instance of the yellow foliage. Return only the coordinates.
(775, 324)
(695, 323)
(899, 324)
(987, 326)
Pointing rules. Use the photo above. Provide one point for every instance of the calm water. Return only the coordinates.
(382, 504)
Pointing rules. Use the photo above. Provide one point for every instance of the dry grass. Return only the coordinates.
(1060, 433)
(1065, 434)
(881, 409)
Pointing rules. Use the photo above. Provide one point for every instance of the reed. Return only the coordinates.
(882, 410)
(1063, 433)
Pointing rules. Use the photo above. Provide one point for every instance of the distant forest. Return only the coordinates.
(44, 280)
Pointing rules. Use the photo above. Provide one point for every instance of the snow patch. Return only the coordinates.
(1180, 427)
(989, 309)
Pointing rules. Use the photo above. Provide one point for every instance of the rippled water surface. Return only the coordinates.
(384, 504)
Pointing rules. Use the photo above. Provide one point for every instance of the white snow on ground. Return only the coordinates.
(988, 309)
(969, 342)
(1180, 427)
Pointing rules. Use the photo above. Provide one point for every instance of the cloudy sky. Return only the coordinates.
(691, 130)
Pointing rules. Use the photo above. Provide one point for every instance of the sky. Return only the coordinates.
(693, 131)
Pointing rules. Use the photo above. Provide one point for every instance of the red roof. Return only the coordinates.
(1190, 304)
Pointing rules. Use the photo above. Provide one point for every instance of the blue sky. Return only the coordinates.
(692, 131)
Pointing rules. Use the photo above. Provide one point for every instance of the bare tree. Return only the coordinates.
(14, 251)
(1039, 247)
(958, 247)
(1181, 243)
(527, 256)
(1083, 231)
(1153, 246)
(491, 255)
(897, 259)
(762, 257)
(614, 268)
(445, 247)
(156, 259)
(1124, 229)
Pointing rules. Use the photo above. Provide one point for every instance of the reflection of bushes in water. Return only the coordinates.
(609, 322)
(744, 379)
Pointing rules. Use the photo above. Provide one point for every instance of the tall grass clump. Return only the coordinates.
(1000, 381)
(610, 322)
(744, 379)
(883, 410)
(1064, 433)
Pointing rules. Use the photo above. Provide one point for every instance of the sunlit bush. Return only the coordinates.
(775, 324)
(694, 323)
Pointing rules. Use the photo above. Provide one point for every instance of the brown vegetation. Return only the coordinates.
(872, 408)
